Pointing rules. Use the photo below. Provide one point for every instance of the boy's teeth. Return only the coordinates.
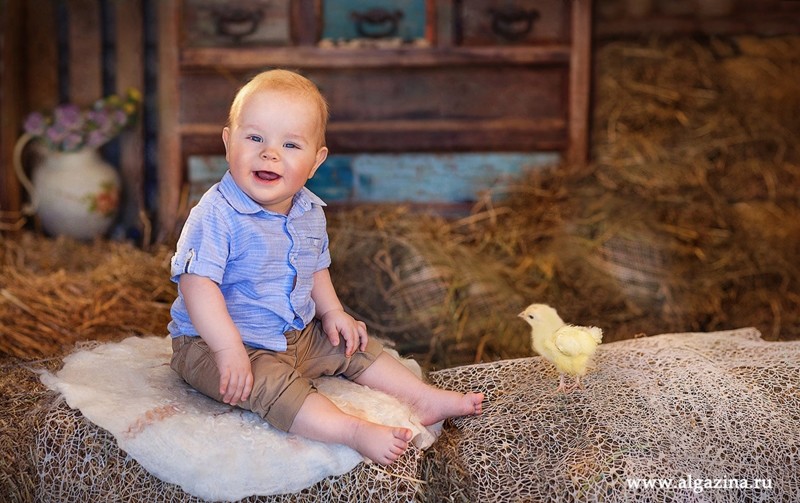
(266, 175)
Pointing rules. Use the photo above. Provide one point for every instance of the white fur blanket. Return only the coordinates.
(212, 450)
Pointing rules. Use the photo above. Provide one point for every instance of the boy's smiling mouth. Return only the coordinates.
(267, 176)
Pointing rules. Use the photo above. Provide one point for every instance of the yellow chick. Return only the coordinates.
(569, 347)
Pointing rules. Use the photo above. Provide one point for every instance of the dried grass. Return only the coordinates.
(56, 292)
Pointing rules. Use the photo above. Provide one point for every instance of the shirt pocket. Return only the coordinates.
(313, 244)
(309, 255)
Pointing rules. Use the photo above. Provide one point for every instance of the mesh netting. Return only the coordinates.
(722, 408)
(711, 408)
(78, 462)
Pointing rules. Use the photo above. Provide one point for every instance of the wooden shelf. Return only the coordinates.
(486, 95)
(247, 58)
(406, 126)
(765, 23)
(379, 136)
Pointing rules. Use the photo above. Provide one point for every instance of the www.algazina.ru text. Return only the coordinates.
(698, 485)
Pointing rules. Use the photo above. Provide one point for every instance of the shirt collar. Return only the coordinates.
(236, 197)
(241, 202)
(305, 200)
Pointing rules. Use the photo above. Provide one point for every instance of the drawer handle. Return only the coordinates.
(377, 23)
(513, 24)
(237, 23)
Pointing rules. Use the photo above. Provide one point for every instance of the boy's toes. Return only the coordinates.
(403, 434)
(479, 404)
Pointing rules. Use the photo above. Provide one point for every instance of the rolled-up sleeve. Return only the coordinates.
(324, 260)
(203, 248)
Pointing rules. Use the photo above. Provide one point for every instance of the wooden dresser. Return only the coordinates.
(400, 75)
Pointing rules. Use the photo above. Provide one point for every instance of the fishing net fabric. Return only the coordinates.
(721, 406)
(77, 461)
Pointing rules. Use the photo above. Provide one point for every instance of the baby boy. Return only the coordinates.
(257, 316)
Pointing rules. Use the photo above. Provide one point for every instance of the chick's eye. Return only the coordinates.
(530, 316)
(255, 138)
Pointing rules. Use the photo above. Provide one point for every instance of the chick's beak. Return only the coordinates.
(522, 314)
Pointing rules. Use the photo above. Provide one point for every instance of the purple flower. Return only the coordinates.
(55, 133)
(72, 128)
(68, 115)
(35, 124)
(96, 138)
(97, 117)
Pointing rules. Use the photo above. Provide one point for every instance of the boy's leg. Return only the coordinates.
(278, 389)
(320, 419)
(379, 370)
(289, 402)
(432, 404)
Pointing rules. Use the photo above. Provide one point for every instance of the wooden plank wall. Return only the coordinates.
(10, 110)
(168, 105)
(59, 54)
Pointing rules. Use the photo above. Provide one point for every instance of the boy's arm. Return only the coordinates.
(210, 316)
(335, 321)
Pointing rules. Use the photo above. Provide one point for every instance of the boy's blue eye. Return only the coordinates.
(291, 145)
(255, 138)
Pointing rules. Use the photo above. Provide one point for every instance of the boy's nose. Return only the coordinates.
(269, 154)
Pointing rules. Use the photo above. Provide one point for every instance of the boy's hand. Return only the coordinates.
(235, 374)
(337, 323)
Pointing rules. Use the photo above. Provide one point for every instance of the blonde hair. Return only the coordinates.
(284, 81)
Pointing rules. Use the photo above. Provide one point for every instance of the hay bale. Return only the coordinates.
(713, 406)
(709, 406)
(20, 395)
(56, 292)
(409, 277)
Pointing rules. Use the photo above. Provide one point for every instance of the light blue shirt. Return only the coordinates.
(263, 262)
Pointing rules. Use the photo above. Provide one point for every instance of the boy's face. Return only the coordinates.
(274, 147)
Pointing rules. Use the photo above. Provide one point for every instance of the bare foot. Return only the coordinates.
(381, 444)
(439, 404)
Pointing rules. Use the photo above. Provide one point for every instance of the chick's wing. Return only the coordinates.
(573, 341)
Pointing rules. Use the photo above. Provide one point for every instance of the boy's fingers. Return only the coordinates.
(248, 387)
(348, 339)
(232, 387)
(363, 335)
(235, 389)
(333, 337)
(224, 378)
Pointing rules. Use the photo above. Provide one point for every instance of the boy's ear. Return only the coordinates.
(322, 154)
(226, 134)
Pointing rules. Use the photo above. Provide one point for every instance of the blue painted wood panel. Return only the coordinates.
(413, 178)
(340, 23)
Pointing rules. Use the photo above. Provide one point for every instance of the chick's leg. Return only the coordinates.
(562, 385)
(578, 385)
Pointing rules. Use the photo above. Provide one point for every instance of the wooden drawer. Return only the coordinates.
(374, 19)
(515, 22)
(418, 109)
(478, 83)
(221, 23)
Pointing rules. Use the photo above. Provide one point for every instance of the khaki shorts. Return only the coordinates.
(281, 380)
